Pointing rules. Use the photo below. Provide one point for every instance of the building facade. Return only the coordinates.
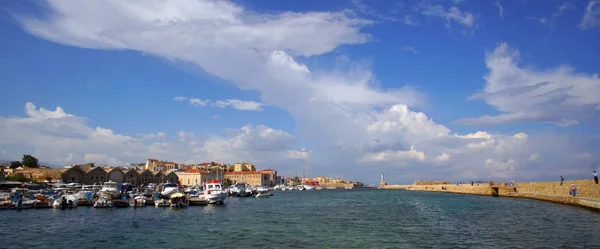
(99, 175)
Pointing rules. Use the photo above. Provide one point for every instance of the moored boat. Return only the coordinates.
(213, 192)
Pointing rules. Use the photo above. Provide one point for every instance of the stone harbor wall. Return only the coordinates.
(588, 192)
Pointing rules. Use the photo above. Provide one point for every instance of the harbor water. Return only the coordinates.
(358, 218)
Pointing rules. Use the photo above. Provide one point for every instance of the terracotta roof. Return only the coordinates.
(196, 171)
(243, 173)
(205, 164)
(269, 170)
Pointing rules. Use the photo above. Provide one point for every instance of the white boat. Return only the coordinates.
(162, 203)
(261, 189)
(348, 187)
(308, 187)
(213, 192)
(110, 188)
(104, 201)
(331, 188)
(263, 195)
(169, 189)
(65, 201)
(138, 201)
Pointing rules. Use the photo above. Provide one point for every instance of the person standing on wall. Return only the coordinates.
(562, 179)
(595, 175)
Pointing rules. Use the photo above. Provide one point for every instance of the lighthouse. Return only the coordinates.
(382, 183)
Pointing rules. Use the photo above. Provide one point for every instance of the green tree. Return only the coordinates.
(17, 177)
(15, 164)
(30, 161)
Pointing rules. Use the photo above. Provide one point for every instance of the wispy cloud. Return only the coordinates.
(500, 9)
(239, 104)
(591, 17)
(198, 102)
(409, 20)
(452, 14)
(560, 10)
(410, 49)
(179, 98)
(233, 103)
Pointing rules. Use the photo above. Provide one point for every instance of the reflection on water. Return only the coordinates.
(314, 219)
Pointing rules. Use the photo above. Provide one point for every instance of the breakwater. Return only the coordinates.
(588, 192)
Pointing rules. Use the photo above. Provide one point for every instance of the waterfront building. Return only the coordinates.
(239, 167)
(254, 178)
(98, 175)
(192, 177)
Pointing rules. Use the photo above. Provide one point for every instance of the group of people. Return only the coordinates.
(573, 189)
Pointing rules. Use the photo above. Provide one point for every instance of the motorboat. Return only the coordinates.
(104, 202)
(66, 201)
(169, 189)
(179, 200)
(110, 188)
(138, 201)
(263, 195)
(318, 188)
(331, 188)
(213, 192)
(261, 189)
(309, 187)
(162, 203)
(348, 188)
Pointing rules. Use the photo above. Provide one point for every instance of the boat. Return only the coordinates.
(110, 188)
(261, 189)
(138, 201)
(65, 201)
(309, 187)
(331, 188)
(179, 200)
(104, 201)
(348, 187)
(318, 188)
(213, 192)
(162, 203)
(168, 189)
(263, 195)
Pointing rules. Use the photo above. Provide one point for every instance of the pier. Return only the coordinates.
(588, 193)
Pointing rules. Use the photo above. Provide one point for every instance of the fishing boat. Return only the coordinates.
(213, 192)
(309, 187)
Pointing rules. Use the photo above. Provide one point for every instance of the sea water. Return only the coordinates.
(357, 218)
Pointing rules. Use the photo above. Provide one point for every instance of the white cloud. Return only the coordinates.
(73, 141)
(559, 11)
(500, 9)
(179, 98)
(561, 96)
(410, 49)
(186, 136)
(304, 153)
(198, 102)
(451, 14)
(409, 20)
(239, 104)
(392, 155)
(591, 17)
(344, 114)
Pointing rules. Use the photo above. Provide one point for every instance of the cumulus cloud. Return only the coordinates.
(68, 139)
(591, 16)
(344, 114)
(561, 96)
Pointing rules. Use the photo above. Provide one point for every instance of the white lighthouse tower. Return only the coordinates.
(382, 183)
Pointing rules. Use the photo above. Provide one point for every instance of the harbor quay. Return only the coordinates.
(158, 183)
(587, 192)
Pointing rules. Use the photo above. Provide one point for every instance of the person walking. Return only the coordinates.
(595, 175)
(562, 179)
(573, 190)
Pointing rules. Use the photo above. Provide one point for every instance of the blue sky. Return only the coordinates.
(490, 89)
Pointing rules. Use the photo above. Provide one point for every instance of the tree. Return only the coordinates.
(30, 161)
(15, 164)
